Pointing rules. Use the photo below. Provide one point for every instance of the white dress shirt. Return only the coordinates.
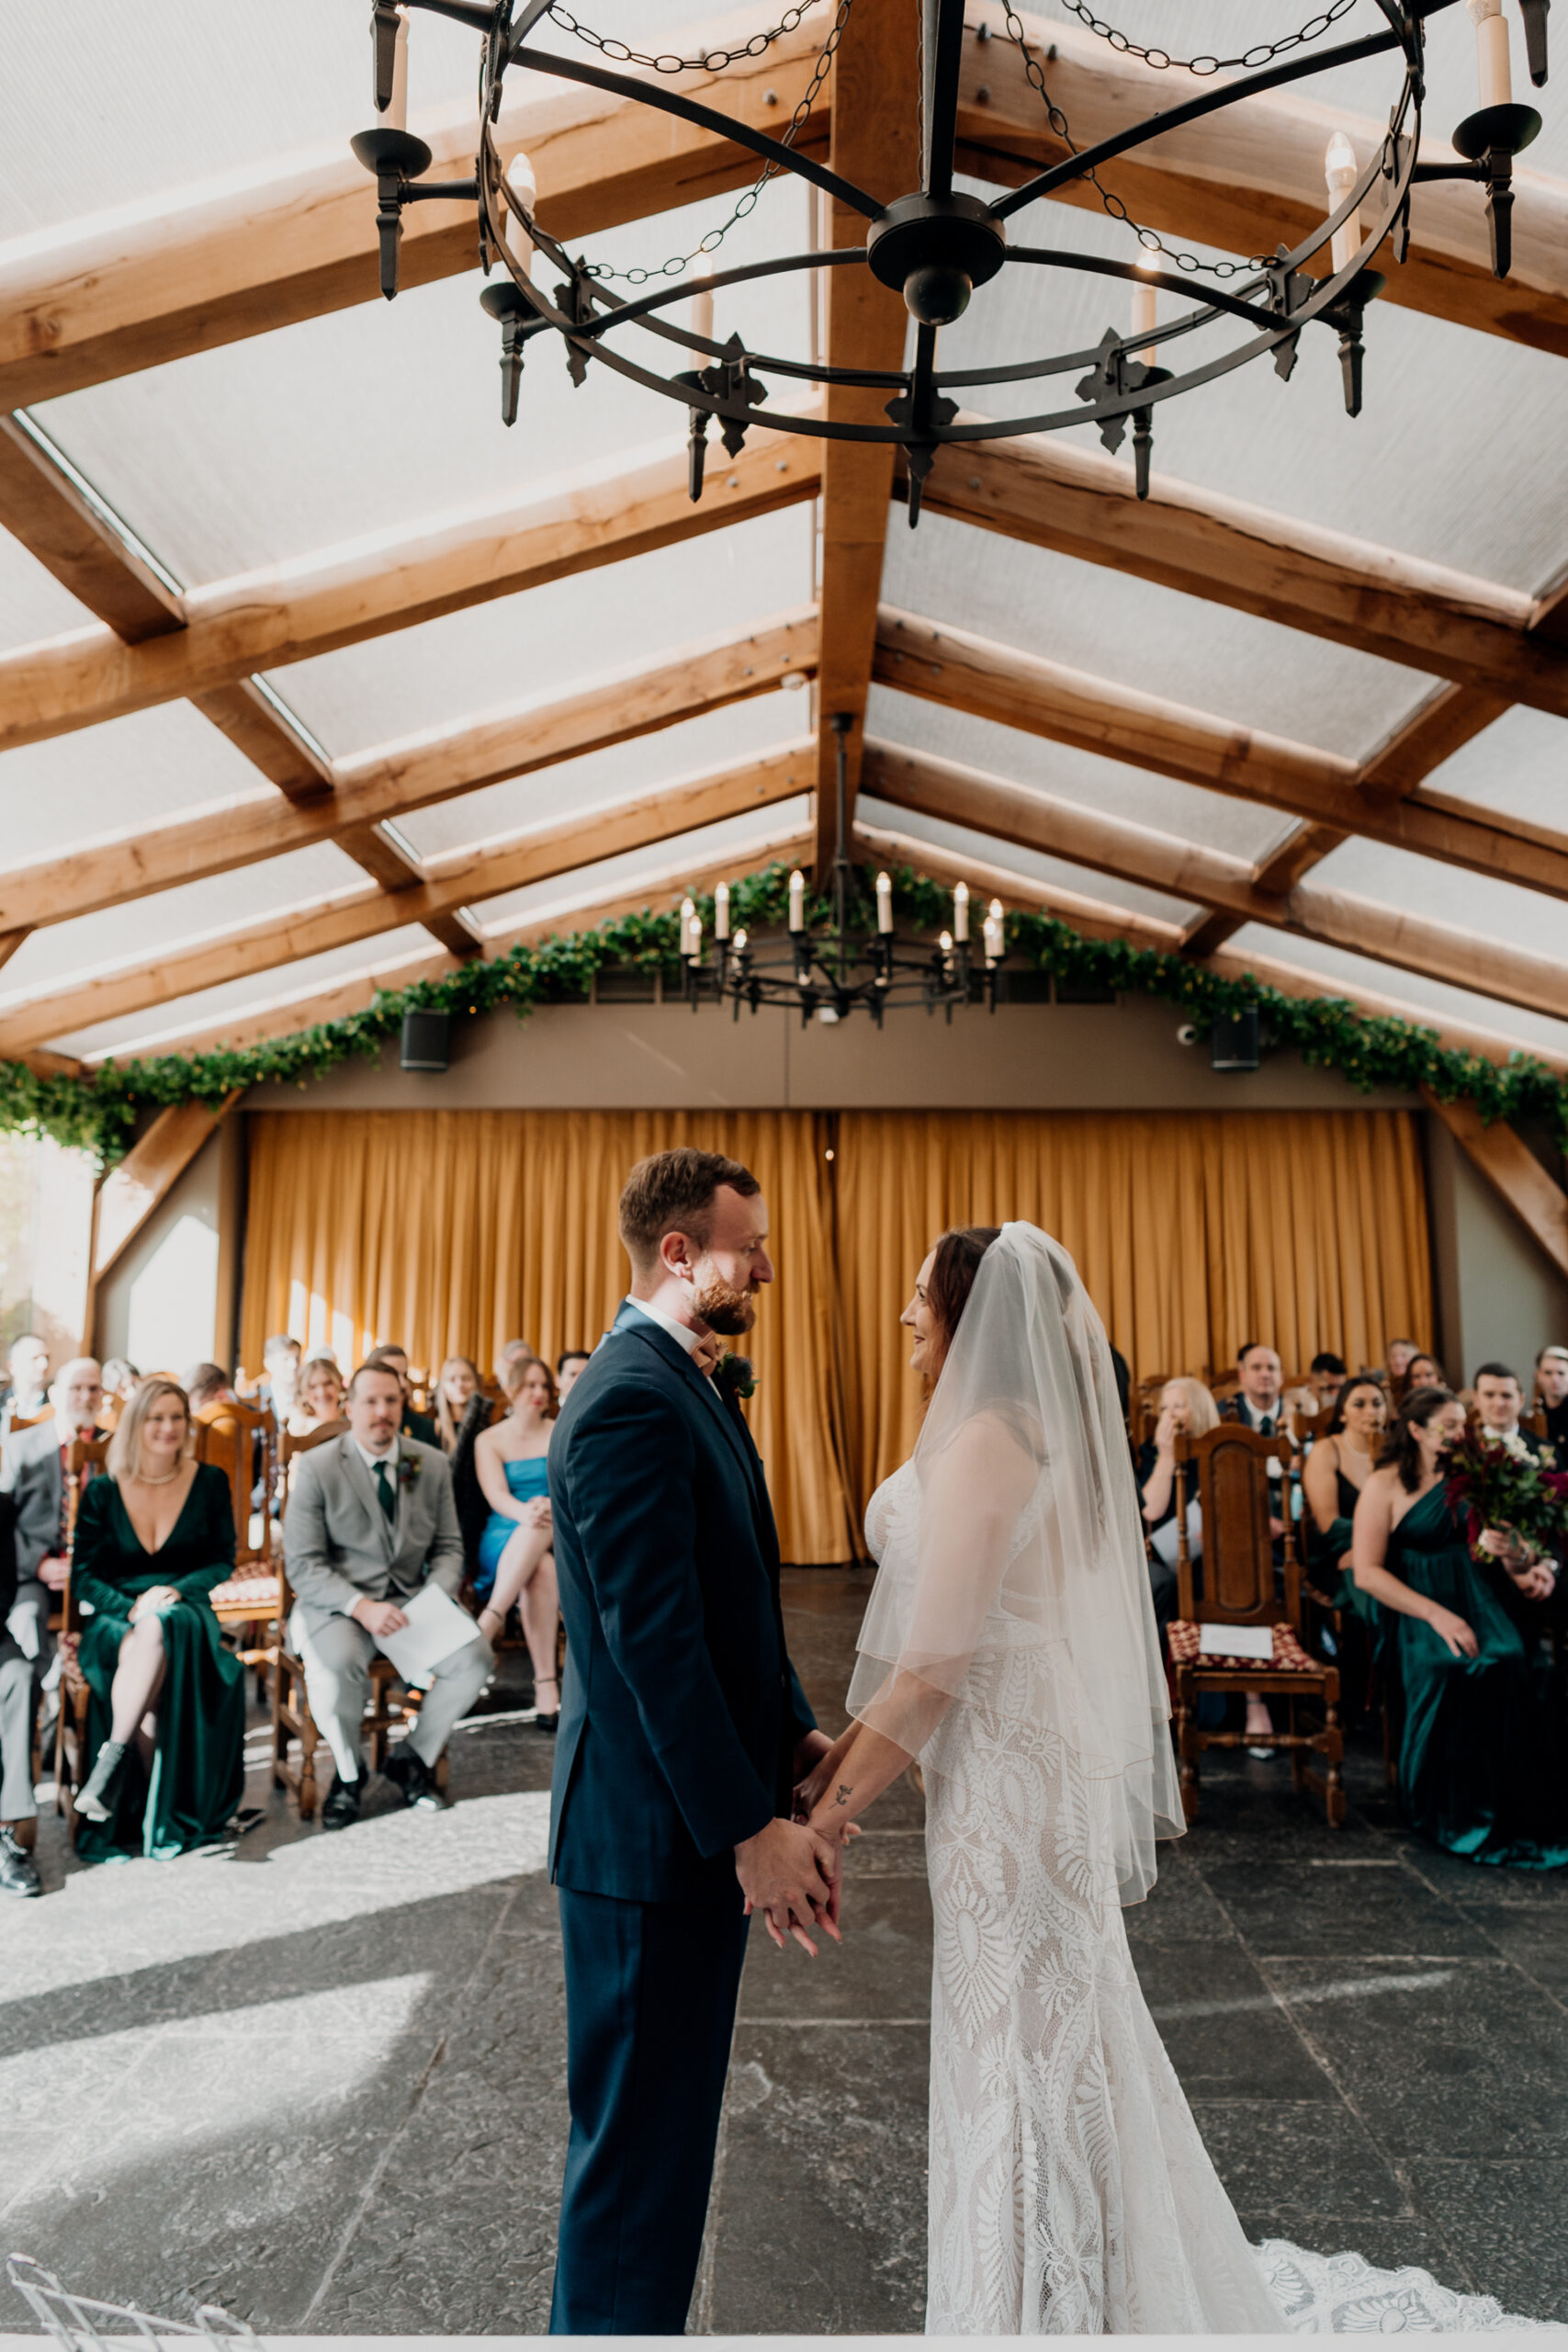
(691, 1340)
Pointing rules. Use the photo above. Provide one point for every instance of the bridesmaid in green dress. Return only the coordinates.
(1482, 1748)
(167, 1710)
(1336, 1473)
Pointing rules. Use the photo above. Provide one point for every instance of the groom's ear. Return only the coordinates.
(677, 1254)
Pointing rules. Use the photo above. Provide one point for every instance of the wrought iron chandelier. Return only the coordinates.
(937, 244)
(829, 973)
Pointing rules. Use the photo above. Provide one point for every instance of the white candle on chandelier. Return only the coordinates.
(721, 911)
(1339, 175)
(740, 942)
(397, 115)
(797, 900)
(688, 917)
(1492, 51)
(883, 904)
(702, 323)
(945, 944)
(520, 181)
(696, 937)
(995, 936)
(1146, 309)
(960, 914)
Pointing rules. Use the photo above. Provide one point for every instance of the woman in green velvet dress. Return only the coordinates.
(167, 1711)
(1335, 1474)
(1481, 1748)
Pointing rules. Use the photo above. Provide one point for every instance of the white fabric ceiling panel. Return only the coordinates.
(1435, 997)
(170, 920)
(549, 640)
(959, 840)
(1136, 635)
(1518, 763)
(370, 418)
(119, 777)
(1502, 912)
(33, 604)
(616, 876)
(743, 731)
(1109, 788)
(144, 1032)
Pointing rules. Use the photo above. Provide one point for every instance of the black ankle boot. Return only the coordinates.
(95, 1797)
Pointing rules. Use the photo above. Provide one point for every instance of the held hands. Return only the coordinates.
(378, 1618)
(791, 1875)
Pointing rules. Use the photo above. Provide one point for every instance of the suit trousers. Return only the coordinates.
(21, 1680)
(336, 1659)
(650, 1995)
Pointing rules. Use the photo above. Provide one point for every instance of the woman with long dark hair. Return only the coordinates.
(1481, 1748)
(1334, 1480)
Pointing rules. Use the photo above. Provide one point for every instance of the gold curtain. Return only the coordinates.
(1194, 1233)
(454, 1231)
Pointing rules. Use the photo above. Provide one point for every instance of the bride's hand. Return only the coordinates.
(810, 1792)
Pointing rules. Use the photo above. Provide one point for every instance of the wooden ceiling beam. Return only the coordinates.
(1252, 178)
(1514, 1172)
(1023, 690)
(876, 99)
(1037, 820)
(148, 1174)
(341, 596)
(417, 772)
(264, 247)
(484, 870)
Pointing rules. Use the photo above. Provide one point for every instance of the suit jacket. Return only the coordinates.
(680, 1711)
(339, 1545)
(31, 1469)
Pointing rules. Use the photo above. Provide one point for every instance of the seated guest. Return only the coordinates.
(121, 1381)
(576, 1360)
(1551, 1393)
(1257, 1404)
(26, 1392)
(517, 1562)
(1185, 1407)
(1499, 1401)
(454, 1385)
(207, 1383)
(371, 1521)
(19, 1871)
(282, 1357)
(1398, 1357)
(1424, 1372)
(1326, 1377)
(1336, 1472)
(414, 1424)
(33, 1471)
(509, 1353)
(320, 1397)
(1481, 1758)
(167, 1714)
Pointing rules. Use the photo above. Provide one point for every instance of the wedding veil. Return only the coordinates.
(1015, 1574)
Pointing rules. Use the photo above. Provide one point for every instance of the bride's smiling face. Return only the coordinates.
(918, 1318)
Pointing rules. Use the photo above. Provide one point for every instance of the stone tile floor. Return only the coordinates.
(320, 2080)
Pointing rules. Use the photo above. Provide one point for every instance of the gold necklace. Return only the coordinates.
(143, 1480)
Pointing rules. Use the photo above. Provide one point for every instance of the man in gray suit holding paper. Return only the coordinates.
(371, 1520)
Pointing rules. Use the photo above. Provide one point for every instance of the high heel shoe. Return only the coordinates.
(95, 1797)
(541, 1720)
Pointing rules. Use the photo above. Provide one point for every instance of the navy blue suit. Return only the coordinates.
(679, 1717)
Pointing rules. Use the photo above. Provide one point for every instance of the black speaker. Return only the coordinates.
(1236, 1044)
(426, 1041)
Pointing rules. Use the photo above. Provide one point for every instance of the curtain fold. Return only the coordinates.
(454, 1231)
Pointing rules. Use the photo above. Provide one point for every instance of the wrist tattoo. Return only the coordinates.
(845, 1793)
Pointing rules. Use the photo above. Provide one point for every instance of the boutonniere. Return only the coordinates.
(735, 1376)
(410, 1466)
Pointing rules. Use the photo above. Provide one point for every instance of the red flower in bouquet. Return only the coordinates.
(1507, 1493)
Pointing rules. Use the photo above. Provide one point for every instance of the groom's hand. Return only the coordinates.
(790, 1875)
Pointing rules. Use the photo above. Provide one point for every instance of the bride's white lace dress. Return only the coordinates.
(1070, 2191)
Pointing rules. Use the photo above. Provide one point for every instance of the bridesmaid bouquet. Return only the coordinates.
(1509, 1493)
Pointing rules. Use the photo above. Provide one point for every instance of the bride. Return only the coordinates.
(1009, 1643)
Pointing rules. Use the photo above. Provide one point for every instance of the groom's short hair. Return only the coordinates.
(673, 1193)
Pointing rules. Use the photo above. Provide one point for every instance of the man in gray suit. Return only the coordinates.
(370, 1519)
(32, 1471)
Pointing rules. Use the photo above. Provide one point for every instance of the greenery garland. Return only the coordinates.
(98, 1112)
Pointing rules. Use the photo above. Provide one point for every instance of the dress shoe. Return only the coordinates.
(413, 1780)
(96, 1796)
(19, 1871)
(341, 1805)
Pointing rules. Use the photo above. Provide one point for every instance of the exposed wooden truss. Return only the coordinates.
(1512, 1169)
(148, 1173)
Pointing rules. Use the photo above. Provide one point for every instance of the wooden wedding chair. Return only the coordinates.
(1230, 1467)
(241, 1440)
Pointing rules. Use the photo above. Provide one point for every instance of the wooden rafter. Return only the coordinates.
(292, 612)
(147, 1175)
(1037, 820)
(1513, 1171)
(484, 870)
(394, 779)
(874, 144)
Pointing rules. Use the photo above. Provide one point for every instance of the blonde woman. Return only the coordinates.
(458, 1379)
(1186, 1410)
(320, 1399)
(516, 1560)
(167, 1711)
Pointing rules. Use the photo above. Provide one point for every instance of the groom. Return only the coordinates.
(682, 1731)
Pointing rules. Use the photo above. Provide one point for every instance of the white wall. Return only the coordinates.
(1499, 1298)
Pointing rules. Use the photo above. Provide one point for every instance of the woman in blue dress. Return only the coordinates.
(1482, 1745)
(516, 1558)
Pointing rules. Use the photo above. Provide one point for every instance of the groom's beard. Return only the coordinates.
(723, 1309)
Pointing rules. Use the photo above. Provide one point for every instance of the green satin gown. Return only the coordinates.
(1481, 1747)
(199, 1773)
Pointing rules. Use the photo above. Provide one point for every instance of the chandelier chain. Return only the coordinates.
(1150, 238)
(679, 262)
(712, 61)
(1261, 54)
